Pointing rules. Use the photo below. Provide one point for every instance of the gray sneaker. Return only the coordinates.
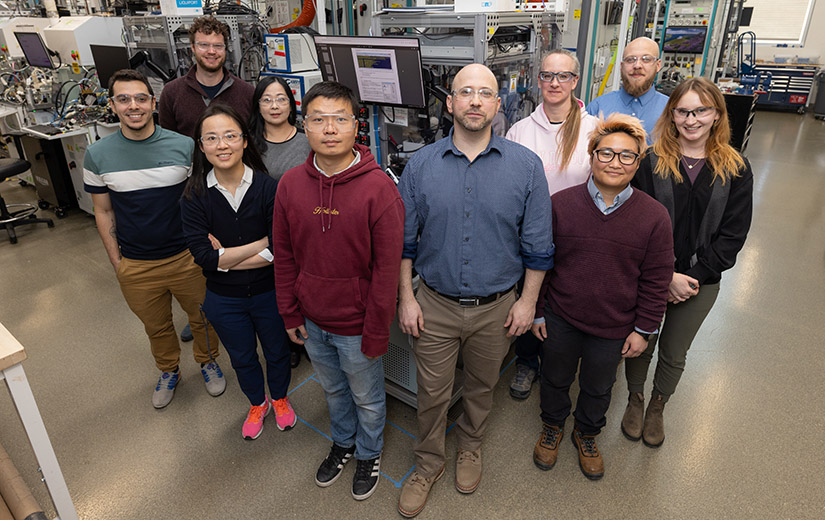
(213, 377)
(522, 382)
(165, 390)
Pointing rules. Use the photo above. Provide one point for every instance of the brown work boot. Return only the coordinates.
(415, 492)
(654, 429)
(547, 447)
(590, 460)
(467, 470)
(634, 415)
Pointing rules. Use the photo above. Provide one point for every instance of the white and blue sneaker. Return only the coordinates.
(213, 377)
(165, 390)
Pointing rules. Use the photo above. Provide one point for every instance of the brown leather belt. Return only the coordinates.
(473, 301)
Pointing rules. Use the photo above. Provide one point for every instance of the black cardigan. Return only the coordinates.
(211, 213)
(691, 201)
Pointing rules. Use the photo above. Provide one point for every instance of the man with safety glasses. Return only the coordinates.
(636, 97)
(337, 234)
(183, 100)
(477, 220)
(136, 177)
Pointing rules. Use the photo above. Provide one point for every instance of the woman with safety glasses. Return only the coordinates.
(557, 132)
(282, 145)
(227, 209)
(707, 188)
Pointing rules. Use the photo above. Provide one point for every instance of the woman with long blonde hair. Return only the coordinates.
(557, 131)
(707, 188)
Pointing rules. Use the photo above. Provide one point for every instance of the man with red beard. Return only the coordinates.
(636, 97)
(183, 100)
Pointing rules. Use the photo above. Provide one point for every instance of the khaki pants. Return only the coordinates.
(479, 333)
(148, 286)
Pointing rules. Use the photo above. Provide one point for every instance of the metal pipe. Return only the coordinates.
(641, 20)
(581, 46)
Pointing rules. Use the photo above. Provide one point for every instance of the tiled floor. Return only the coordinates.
(744, 431)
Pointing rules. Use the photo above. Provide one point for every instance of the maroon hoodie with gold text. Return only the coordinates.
(337, 244)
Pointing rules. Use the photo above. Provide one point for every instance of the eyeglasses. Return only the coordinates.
(319, 122)
(212, 140)
(681, 113)
(203, 46)
(281, 101)
(647, 59)
(563, 77)
(606, 155)
(468, 93)
(125, 99)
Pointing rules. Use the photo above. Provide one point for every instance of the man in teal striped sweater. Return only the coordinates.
(136, 177)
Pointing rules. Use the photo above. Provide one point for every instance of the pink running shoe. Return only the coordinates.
(284, 414)
(254, 423)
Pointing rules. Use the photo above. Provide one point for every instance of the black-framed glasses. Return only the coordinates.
(698, 113)
(563, 77)
(647, 59)
(468, 93)
(606, 155)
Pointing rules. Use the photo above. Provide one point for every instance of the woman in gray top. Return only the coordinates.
(272, 125)
(282, 146)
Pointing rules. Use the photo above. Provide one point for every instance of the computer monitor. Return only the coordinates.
(34, 50)
(380, 70)
(108, 60)
(686, 40)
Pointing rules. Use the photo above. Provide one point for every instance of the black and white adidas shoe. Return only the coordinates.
(329, 470)
(366, 477)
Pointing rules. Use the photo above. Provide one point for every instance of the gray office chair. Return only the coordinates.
(15, 215)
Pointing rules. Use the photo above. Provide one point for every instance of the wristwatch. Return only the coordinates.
(642, 334)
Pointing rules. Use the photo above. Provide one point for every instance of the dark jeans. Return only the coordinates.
(600, 357)
(238, 321)
(528, 350)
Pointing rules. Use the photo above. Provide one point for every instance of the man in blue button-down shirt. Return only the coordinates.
(636, 97)
(478, 217)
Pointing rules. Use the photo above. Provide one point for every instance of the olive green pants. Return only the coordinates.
(682, 322)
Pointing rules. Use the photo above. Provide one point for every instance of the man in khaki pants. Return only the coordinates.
(477, 219)
(136, 177)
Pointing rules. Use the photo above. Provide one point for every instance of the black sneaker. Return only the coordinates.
(329, 470)
(366, 478)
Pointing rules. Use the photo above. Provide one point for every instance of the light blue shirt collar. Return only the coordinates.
(596, 195)
(644, 99)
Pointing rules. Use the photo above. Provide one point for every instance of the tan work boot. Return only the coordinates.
(634, 415)
(654, 429)
(590, 460)
(415, 492)
(547, 447)
(467, 470)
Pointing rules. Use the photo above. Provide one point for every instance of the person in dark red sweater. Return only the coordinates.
(183, 100)
(337, 236)
(606, 293)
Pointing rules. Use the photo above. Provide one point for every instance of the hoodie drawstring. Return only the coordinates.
(321, 201)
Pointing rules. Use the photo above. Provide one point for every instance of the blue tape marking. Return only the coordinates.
(327, 437)
(302, 383)
(507, 366)
(400, 428)
(407, 474)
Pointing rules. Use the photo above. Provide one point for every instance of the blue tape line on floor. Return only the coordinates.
(302, 383)
(507, 366)
(400, 428)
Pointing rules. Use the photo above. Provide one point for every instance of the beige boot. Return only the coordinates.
(634, 414)
(654, 429)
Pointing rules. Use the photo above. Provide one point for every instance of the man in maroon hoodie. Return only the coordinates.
(337, 238)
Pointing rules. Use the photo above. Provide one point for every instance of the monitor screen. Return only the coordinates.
(34, 49)
(108, 60)
(690, 40)
(384, 71)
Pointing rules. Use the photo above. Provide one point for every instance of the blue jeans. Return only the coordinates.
(240, 322)
(354, 388)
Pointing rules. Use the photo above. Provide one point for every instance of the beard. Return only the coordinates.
(202, 64)
(636, 88)
(473, 125)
